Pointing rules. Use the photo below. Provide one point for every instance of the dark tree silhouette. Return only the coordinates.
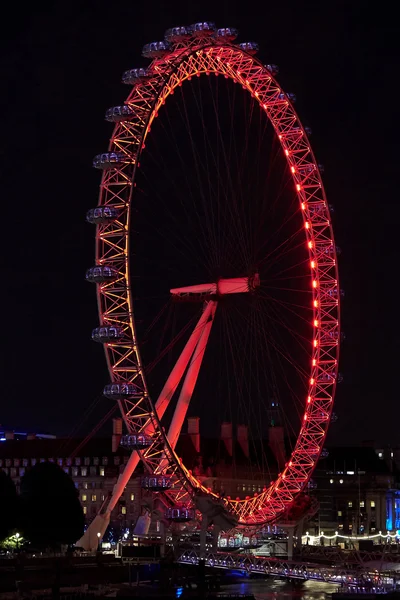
(51, 513)
(8, 506)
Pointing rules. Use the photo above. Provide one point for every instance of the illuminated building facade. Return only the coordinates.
(358, 490)
(94, 470)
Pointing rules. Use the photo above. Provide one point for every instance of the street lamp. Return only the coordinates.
(17, 540)
(98, 541)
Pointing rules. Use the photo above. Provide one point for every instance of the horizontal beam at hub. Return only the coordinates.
(237, 285)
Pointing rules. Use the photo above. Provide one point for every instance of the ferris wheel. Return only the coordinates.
(180, 249)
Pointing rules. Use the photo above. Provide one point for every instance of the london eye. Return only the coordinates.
(216, 271)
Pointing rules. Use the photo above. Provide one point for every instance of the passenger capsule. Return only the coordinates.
(101, 274)
(138, 441)
(135, 75)
(249, 47)
(204, 29)
(106, 334)
(227, 34)
(288, 96)
(119, 113)
(179, 514)
(273, 69)
(121, 391)
(156, 483)
(155, 49)
(109, 160)
(101, 214)
(175, 35)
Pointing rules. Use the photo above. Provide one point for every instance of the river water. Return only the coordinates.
(271, 589)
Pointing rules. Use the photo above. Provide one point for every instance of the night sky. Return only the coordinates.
(61, 65)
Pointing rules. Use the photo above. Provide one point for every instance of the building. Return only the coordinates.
(358, 489)
(93, 466)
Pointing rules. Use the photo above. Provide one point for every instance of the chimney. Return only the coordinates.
(243, 439)
(277, 445)
(117, 434)
(31, 436)
(194, 432)
(9, 435)
(226, 436)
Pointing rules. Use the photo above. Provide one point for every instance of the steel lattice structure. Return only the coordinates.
(201, 51)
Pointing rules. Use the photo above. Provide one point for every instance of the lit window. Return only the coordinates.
(372, 503)
(362, 504)
(350, 504)
(84, 510)
(21, 472)
(331, 481)
(13, 472)
(84, 497)
(74, 471)
(351, 526)
(101, 471)
(94, 497)
(87, 461)
(85, 485)
(373, 529)
(340, 526)
(96, 460)
(380, 454)
(25, 462)
(391, 455)
(33, 462)
(339, 513)
(123, 510)
(83, 471)
(16, 462)
(60, 462)
(350, 472)
(69, 462)
(104, 460)
(78, 461)
(132, 497)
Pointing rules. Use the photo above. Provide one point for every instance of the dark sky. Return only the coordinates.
(61, 65)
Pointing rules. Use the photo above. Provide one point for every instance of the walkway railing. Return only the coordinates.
(274, 567)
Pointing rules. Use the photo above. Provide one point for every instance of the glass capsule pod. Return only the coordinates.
(179, 514)
(109, 160)
(177, 34)
(249, 47)
(203, 29)
(227, 34)
(106, 334)
(136, 441)
(115, 114)
(155, 49)
(101, 214)
(135, 75)
(121, 391)
(156, 483)
(101, 274)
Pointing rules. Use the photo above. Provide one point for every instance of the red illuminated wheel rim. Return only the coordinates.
(185, 58)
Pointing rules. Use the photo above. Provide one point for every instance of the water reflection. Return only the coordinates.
(280, 589)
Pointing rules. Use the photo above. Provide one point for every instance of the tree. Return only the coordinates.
(51, 512)
(8, 506)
